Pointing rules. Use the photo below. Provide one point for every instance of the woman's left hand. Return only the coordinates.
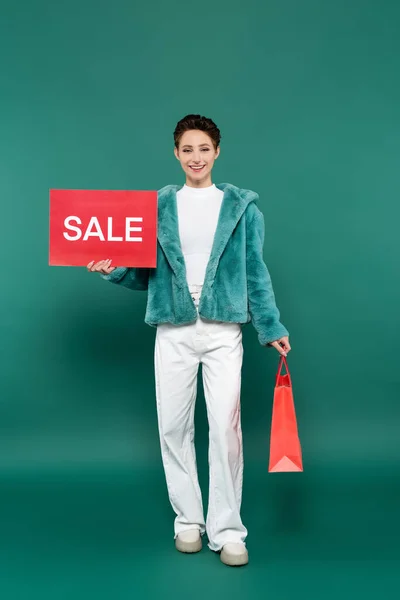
(282, 345)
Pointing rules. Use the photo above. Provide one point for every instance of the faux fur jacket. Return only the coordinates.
(237, 286)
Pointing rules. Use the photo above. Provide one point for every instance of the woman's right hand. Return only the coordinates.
(103, 266)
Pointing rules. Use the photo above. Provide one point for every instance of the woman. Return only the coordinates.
(210, 280)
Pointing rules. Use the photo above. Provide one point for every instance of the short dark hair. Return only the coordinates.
(197, 122)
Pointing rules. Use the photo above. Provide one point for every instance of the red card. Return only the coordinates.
(88, 225)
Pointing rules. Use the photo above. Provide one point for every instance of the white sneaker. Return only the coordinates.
(234, 554)
(188, 541)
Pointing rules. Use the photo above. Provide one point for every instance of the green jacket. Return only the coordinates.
(237, 286)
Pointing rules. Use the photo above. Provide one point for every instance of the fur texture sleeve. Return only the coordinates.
(134, 278)
(261, 299)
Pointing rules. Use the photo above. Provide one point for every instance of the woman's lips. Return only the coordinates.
(196, 169)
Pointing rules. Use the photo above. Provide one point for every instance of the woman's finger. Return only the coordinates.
(285, 342)
(108, 268)
(99, 265)
(103, 266)
(279, 348)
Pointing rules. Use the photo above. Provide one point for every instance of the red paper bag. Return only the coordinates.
(285, 449)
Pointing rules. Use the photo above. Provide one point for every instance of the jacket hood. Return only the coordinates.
(234, 204)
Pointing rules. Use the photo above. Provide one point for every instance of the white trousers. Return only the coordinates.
(179, 349)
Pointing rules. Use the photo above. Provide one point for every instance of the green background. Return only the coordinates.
(306, 95)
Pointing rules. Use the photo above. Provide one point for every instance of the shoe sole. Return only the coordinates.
(234, 560)
(188, 547)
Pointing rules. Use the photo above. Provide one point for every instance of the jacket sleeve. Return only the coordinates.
(261, 299)
(134, 278)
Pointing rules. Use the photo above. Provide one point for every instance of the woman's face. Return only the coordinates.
(196, 149)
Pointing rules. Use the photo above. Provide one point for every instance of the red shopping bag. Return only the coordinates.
(285, 449)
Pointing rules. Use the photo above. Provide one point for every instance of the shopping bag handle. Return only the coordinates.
(281, 362)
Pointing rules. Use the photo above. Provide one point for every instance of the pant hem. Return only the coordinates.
(219, 548)
(189, 529)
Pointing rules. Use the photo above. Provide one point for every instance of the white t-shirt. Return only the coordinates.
(198, 212)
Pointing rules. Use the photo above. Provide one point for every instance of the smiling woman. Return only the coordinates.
(210, 280)
(197, 149)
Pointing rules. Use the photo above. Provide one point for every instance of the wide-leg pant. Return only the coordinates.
(179, 349)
